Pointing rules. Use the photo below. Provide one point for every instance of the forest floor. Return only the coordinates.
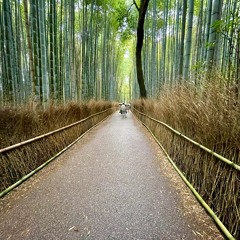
(115, 183)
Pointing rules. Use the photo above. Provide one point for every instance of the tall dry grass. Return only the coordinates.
(209, 115)
(21, 123)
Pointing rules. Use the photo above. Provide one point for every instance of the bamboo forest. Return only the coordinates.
(76, 50)
(175, 62)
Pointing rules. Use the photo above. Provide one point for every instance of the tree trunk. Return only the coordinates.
(52, 52)
(140, 36)
(213, 37)
(186, 70)
(182, 38)
(9, 52)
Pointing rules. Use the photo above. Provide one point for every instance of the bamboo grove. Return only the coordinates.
(60, 50)
(187, 40)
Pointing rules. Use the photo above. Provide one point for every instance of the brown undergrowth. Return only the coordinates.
(209, 115)
(21, 123)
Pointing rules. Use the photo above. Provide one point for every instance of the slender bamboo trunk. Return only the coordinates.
(181, 60)
(188, 41)
(213, 37)
(29, 40)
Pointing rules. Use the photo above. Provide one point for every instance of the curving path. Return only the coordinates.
(113, 184)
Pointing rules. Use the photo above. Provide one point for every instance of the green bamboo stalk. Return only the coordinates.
(188, 44)
(37, 90)
(43, 49)
(30, 50)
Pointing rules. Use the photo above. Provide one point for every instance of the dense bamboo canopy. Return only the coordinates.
(55, 51)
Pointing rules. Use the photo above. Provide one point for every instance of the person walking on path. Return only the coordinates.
(123, 110)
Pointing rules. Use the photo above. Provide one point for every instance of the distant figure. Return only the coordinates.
(123, 110)
(128, 106)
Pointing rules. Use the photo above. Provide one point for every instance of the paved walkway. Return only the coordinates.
(109, 185)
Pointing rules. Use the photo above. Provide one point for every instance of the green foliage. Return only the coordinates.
(118, 16)
(230, 23)
(197, 6)
(127, 19)
(219, 25)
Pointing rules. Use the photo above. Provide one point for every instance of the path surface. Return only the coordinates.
(109, 185)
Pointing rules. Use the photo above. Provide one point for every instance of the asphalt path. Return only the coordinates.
(114, 183)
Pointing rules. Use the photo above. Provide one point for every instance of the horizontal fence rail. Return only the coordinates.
(213, 179)
(20, 161)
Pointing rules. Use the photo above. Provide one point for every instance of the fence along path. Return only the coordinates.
(112, 184)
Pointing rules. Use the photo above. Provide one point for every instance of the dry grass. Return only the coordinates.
(19, 124)
(210, 116)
